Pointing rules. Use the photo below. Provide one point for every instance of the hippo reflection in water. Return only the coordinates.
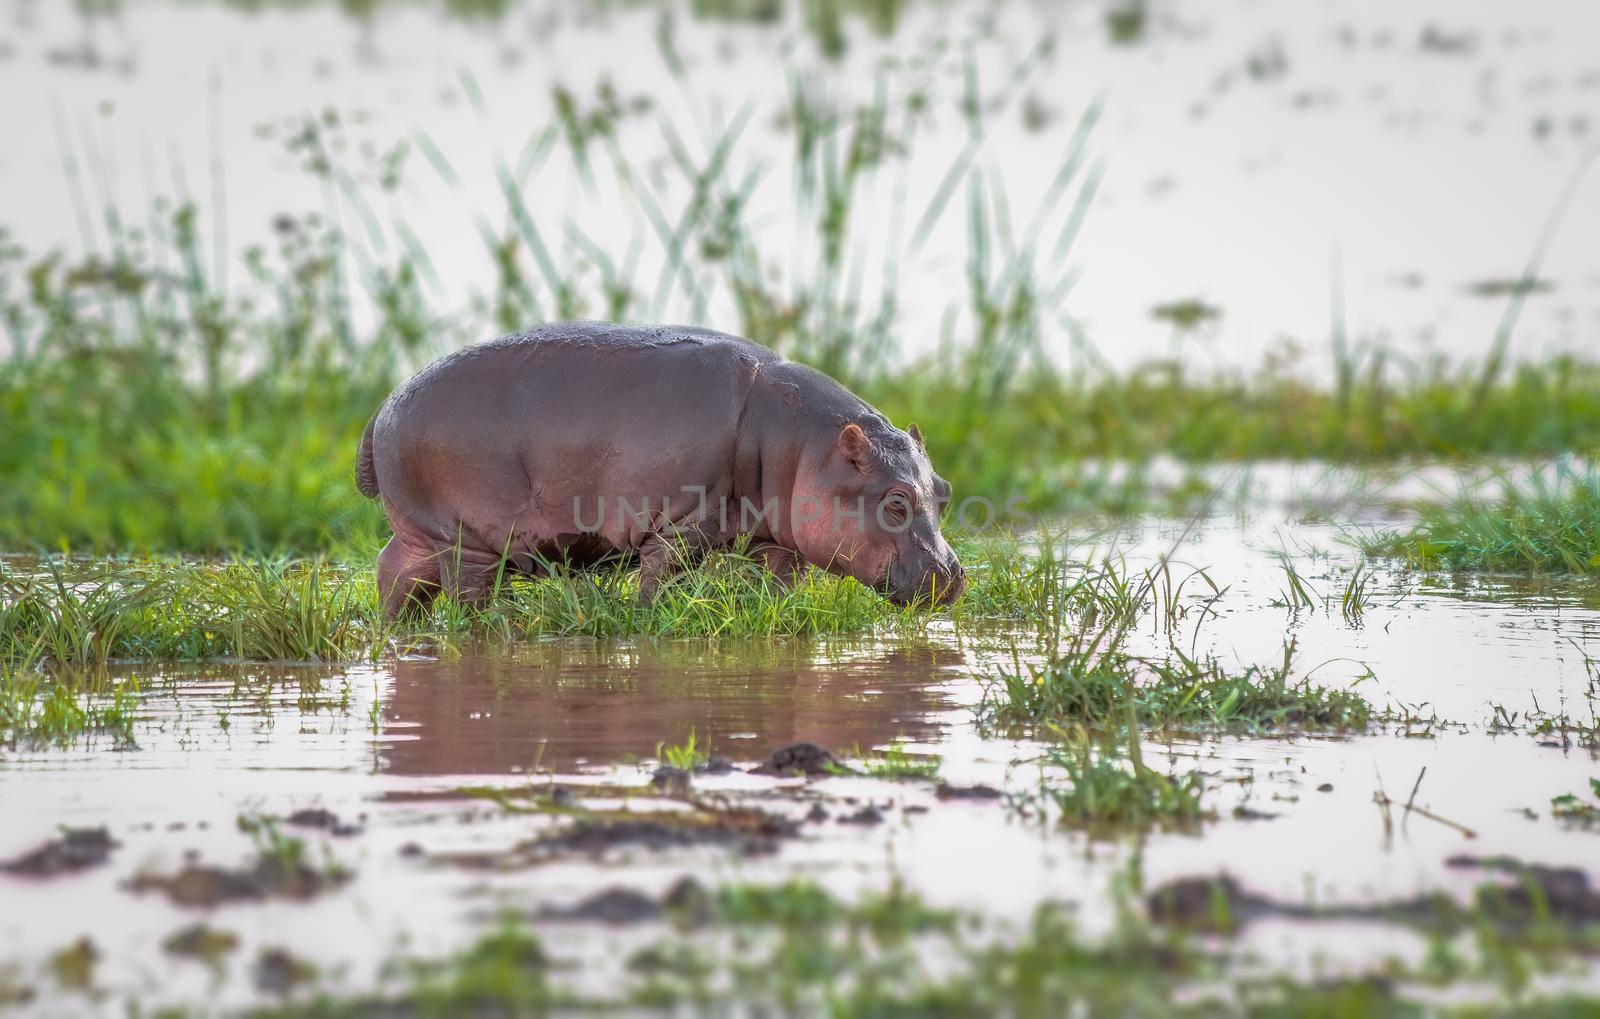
(570, 706)
(582, 441)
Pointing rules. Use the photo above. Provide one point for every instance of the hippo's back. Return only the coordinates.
(529, 420)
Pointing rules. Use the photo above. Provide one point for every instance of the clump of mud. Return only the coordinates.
(322, 820)
(278, 971)
(75, 850)
(1563, 893)
(270, 877)
(201, 942)
(946, 791)
(744, 830)
(613, 907)
(797, 759)
(747, 831)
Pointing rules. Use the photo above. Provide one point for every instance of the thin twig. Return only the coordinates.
(1385, 802)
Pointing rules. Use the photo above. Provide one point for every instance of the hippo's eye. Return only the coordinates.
(896, 508)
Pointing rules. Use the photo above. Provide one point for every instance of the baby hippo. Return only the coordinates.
(585, 442)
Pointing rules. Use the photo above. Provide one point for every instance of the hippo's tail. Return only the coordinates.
(366, 474)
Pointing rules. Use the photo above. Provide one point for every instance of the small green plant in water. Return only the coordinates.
(685, 756)
(1576, 811)
(894, 762)
(1101, 784)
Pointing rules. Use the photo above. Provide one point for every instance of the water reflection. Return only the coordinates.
(569, 704)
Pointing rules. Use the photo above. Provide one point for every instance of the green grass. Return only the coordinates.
(69, 614)
(893, 762)
(1103, 785)
(1537, 526)
(1576, 810)
(1095, 681)
(685, 756)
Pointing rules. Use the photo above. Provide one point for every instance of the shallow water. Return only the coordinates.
(1247, 148)
(395, 749)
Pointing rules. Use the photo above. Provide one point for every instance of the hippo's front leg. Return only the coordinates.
(666, 553)
(784, 564)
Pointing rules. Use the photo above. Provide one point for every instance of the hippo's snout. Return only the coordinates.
(939, 585)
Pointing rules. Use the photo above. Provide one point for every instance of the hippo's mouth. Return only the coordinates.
(935, 588)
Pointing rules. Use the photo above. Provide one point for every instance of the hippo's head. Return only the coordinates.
(868, 507)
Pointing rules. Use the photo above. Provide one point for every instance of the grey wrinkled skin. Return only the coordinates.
(585, 442)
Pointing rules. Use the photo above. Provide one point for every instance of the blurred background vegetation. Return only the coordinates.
(154, 400)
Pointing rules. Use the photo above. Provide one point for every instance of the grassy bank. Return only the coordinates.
(82, 614)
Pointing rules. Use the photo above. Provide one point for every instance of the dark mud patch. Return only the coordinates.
(1535, 891)
(614, 907)
(866, 817)
(206, 886)
(799, 760)
(563, 796)
(753, 833)
(323, 820)
(1535, 894)
(1522, 286)
(743, 830)
(278, 972)
(946, 791)
(671, 781)
(77, 849)
(1220, 905)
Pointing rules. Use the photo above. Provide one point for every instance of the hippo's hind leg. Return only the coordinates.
(407, 575)
(468, 574)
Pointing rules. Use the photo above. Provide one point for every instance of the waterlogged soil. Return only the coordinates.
(431, 797)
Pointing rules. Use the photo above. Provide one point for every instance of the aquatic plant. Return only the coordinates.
(685, 756)
(895, 762)
(1094, 681)
(1574, 810)
(1102, 783)
(1538, 525)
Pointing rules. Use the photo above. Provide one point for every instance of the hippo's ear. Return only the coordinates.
(855, 445)
(916, 436)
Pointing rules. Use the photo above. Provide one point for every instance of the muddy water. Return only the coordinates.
(610, 702)
(397, 752)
